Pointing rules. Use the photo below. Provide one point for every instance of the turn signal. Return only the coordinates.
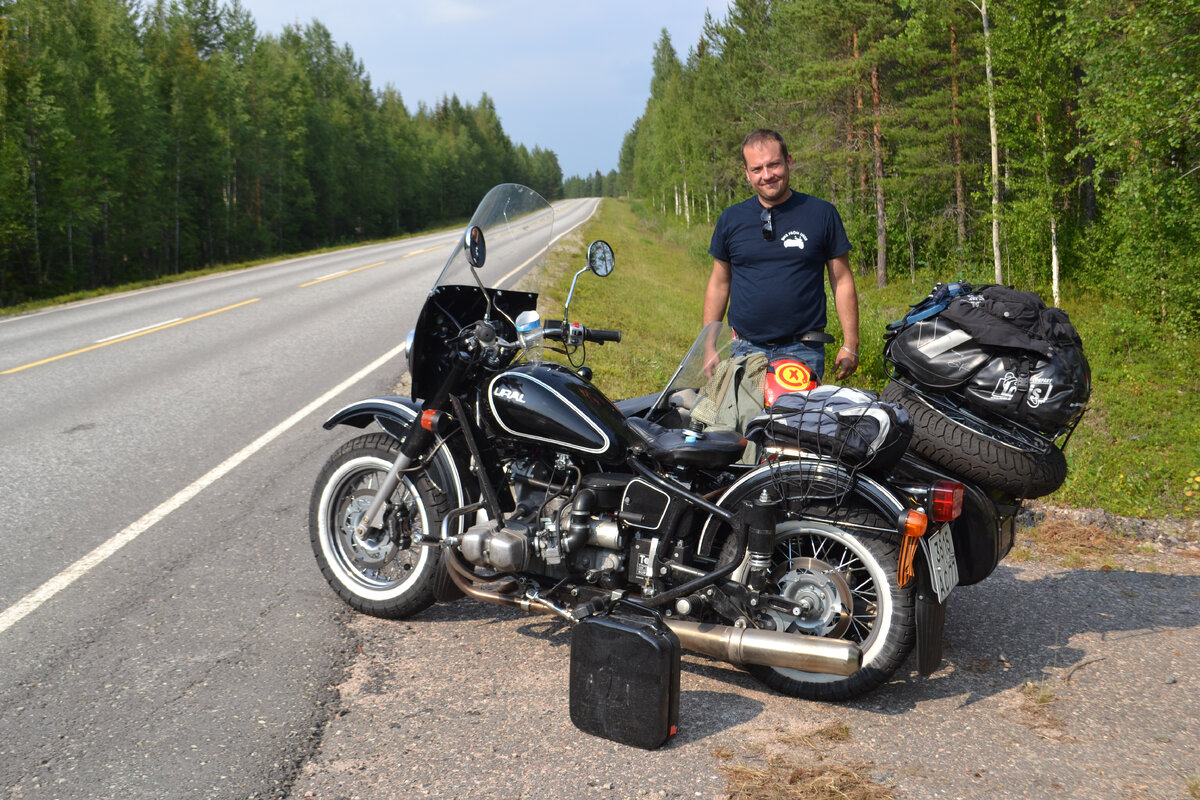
(433, 421)
(913, 524)
(946, 500)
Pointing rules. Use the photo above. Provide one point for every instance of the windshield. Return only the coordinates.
(695, 371)
(517, 225)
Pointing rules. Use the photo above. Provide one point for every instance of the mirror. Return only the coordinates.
(600, 258)
(475, 247)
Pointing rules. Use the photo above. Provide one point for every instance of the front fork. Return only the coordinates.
(416, 440)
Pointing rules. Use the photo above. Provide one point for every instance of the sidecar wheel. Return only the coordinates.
(378, 576)
(845, 577)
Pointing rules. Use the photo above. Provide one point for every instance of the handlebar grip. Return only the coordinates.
(602, 335)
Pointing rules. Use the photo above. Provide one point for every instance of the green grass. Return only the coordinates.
(1136, 453)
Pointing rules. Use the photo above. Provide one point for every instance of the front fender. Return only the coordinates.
(394, 415)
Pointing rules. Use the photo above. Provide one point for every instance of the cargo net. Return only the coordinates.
(849, 426)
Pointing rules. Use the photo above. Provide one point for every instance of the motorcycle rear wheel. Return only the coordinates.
(845, 576)
(377, 574)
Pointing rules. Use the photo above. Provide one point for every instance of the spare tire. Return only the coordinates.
(975, 456)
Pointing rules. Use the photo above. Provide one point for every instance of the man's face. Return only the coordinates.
(768, 171)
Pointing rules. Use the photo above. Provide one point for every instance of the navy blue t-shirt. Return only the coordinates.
(778, 286)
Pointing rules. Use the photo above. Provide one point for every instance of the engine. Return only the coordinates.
(563, 525)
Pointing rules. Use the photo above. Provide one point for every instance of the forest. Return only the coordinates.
(139, 140)
(1037, 143)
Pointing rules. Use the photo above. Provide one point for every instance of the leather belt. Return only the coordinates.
(814, 337)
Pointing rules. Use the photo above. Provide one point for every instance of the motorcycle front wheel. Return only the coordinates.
(384, 573)
(839, 577)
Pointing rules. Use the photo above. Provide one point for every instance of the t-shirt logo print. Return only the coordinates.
(794, 239)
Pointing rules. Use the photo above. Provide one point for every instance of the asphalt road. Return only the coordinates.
(1056, 683)
(164, 631)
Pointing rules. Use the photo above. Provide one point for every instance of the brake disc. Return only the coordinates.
(819, 596)
(372, 551)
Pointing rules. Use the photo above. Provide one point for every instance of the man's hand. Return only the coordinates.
(847, 363)
(712, 359)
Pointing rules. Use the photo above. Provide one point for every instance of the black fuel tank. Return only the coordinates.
(549, 403)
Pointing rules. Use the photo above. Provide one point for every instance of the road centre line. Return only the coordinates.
(139, 330)
(34, 600)
(126, 337)
(333, 275)
(426, 250)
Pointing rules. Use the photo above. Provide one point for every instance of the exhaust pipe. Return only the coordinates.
(769, 648)
(723, 642)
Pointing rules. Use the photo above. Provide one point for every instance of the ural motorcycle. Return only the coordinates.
(817, 564)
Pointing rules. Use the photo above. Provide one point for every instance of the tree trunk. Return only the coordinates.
(1053, 219)
(880, 205)
(960, 189)
(991, 95)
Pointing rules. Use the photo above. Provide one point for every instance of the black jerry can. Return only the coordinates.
(624, 683)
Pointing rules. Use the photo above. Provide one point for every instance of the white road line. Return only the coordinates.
(139, 330)
(32, 601)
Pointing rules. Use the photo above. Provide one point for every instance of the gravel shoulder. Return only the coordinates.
(1056, 682)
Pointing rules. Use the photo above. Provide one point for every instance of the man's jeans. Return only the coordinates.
(811, 353)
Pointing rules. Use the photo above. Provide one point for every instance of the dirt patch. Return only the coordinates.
(792, 763)
(1094, 539)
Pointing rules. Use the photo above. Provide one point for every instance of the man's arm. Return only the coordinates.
(716, 299)
(716, 296)
(845, 300)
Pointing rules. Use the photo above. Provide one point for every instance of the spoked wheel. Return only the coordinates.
(840, 582)
(382, 573)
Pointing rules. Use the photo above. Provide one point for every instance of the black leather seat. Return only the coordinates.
(678, 448)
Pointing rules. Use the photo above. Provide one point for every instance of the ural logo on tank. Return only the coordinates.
(510, 394)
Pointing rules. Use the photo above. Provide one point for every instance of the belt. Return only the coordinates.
(814, 337)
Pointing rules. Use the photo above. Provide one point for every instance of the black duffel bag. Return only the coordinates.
(1002, 351)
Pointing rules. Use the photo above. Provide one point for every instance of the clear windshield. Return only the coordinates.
(694, 372)
(518, 226)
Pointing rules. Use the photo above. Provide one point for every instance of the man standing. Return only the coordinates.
(768, 256)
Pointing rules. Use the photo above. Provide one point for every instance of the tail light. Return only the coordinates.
(945, 501)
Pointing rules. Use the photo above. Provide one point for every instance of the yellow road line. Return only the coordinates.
(155, 329)
(340, 274)
(426, 250)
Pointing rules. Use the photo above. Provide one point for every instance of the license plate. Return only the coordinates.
(943, 567)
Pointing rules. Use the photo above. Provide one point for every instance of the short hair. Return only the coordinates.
(761, 136)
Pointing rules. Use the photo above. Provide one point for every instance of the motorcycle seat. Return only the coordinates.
(683, 448)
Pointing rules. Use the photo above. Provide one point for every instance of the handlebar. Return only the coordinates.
(574, 334)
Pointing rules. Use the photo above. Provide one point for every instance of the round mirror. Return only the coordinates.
(475, 247)
(600, 257)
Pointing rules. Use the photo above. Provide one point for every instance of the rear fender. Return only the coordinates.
(394, 415)
(840, 481)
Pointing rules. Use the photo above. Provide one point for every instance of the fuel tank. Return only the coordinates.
(549, 403)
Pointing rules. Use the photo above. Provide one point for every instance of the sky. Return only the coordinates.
(566, 76)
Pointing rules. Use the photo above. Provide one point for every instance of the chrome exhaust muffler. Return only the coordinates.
(769, 648)
(723, 642)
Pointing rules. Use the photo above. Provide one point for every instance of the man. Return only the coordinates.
(768, 254)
